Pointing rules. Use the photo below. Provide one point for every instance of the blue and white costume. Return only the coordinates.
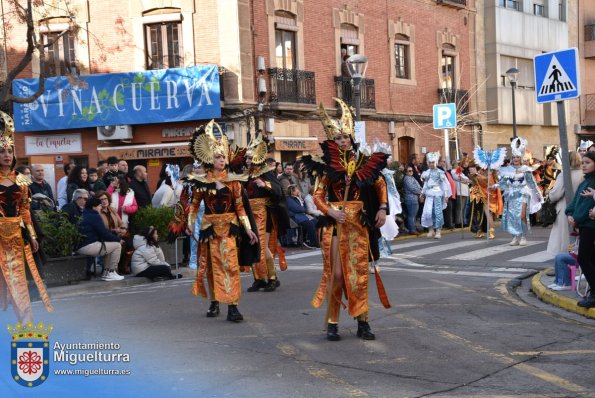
(435, 190)
(518, 187)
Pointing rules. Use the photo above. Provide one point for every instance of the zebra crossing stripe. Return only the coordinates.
(491, 251)
(538, 257)
(441, 248)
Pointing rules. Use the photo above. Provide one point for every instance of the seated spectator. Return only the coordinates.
(99, 241)
(122, 200)
(311, 208)
(77, 179)
(562, 261)
(95, 183)
(148, 259)
(562, 279)
(109, 216)
(297, 212)
(75, 208)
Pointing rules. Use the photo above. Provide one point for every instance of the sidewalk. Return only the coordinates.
(96, 285)
(565, 299)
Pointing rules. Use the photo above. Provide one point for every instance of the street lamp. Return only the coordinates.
(357, 69)
(513, 74)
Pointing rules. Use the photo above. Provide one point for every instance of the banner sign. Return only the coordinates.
(296, 143)
(51, 144)
(146, 151)
(153, 96)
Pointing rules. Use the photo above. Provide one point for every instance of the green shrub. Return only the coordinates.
(60, 236)
(157, 217)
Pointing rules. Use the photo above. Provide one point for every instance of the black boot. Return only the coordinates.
(271, 285)
(332, 332)
(233, 315)
(257, 285)
(213, 309)
(364, 331)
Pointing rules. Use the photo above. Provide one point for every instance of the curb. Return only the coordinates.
(96, 285)
(559, 300)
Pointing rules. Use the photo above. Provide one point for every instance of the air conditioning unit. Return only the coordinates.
(114, 132)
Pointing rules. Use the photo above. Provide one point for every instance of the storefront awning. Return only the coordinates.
(148, 151)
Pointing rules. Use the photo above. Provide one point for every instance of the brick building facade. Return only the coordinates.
(278, 59)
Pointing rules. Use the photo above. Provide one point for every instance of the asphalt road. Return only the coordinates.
(456, 329)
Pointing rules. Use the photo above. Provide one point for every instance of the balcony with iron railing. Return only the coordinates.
(291, 86)
(458, 97)
(453, 3)
(367, 90)
(589, 110)
(590, 41)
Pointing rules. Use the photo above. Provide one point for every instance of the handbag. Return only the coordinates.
(548, 212)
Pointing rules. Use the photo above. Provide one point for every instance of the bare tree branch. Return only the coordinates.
(26, 14)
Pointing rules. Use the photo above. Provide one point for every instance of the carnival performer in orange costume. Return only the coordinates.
(266, 199)
(482, 219)
(352, 194)
(18, 240)
(225, 219)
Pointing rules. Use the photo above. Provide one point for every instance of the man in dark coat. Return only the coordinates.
(140, 187)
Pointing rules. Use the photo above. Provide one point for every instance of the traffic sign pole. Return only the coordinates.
(446, 147)
(568, 188)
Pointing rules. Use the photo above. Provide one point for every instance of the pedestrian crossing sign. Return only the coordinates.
(557, 76)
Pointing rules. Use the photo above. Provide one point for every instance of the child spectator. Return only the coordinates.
(95, 184)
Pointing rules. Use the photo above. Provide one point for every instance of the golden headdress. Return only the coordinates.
(336, 127)
(257, 149)
(204, 146)
(7, 133)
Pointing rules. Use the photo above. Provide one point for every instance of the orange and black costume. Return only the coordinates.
(16, 234)
(226, 219)
(357, 238)
(268, 207)
(270, 213)
(478, 192)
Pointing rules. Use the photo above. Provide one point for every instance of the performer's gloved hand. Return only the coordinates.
(338, 215)
(252, 236)
(34, 245)
(380, 218)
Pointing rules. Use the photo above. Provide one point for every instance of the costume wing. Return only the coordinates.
(480, 157)
(371, 167)
(489, 159)
(498, 157)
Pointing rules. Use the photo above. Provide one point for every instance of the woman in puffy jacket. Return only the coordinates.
(148, 259)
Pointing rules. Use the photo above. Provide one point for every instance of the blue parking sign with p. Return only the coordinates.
(445, 116)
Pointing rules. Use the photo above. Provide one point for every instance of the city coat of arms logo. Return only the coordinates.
(30, 353)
